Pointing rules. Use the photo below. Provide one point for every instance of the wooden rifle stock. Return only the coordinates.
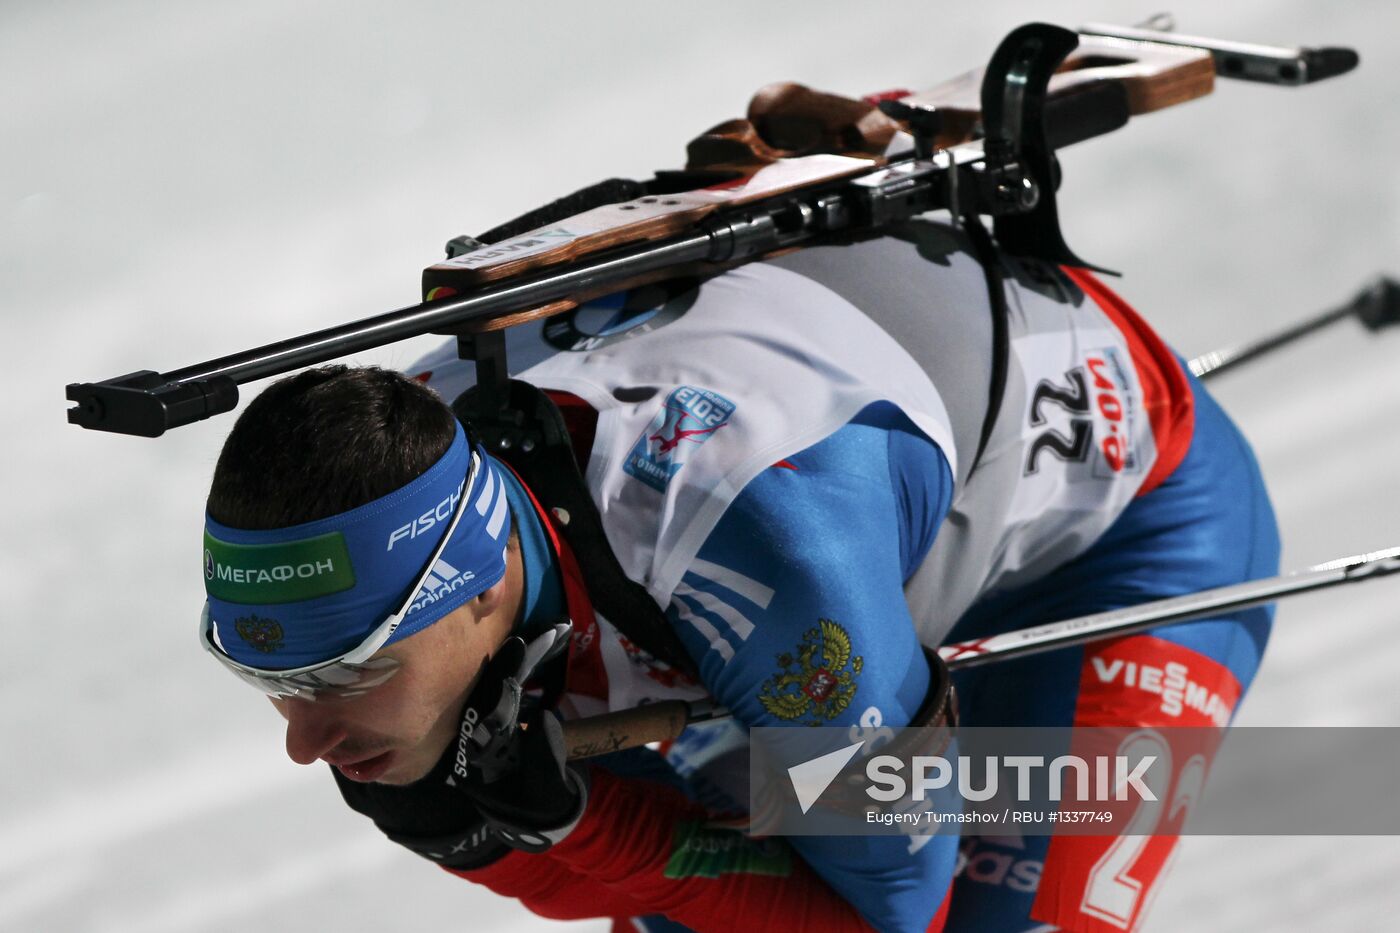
(795, 137)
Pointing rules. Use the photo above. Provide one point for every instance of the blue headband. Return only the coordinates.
(289, 597)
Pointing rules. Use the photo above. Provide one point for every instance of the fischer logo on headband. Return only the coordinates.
(444, 579)
(424, 523)
(329, 583)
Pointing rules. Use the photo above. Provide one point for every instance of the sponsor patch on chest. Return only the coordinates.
(689, 417)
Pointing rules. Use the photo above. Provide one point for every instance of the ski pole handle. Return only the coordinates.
(624, 729)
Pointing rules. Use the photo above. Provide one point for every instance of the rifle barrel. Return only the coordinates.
(444, 314)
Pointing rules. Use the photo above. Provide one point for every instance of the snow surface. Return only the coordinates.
(180, 180)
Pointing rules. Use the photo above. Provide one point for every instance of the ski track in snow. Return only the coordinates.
(197, 179)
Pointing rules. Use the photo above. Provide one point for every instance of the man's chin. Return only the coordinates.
(403, 771)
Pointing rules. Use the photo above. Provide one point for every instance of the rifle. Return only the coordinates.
(804, 167)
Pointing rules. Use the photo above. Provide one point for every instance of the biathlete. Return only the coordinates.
(811, 467)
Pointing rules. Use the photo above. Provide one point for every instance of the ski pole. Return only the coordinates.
(1126, 621)
(1377, 305)
(658, 722)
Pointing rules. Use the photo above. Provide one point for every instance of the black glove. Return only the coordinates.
(500, 782)
(511, 764)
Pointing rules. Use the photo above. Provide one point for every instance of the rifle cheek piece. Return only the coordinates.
(145, 403)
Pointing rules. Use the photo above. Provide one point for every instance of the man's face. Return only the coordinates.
(395, 733)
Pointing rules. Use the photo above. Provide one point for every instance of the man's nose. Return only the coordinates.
(312, 729)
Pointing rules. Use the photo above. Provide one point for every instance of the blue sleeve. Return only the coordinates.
(818, 544)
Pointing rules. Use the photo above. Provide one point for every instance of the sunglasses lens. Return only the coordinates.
(336, 680)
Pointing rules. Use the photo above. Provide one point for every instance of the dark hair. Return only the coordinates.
(324, 441)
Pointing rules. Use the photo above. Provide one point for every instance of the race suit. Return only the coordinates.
(788, 453)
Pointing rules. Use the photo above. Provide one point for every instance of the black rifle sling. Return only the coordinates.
(986, 254)
(529, 434)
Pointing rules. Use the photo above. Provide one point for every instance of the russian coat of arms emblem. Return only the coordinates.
(263, 635)
(819, 680)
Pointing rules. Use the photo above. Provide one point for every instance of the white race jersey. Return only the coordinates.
(721, 380)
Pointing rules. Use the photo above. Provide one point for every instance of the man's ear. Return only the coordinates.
(489, 600)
